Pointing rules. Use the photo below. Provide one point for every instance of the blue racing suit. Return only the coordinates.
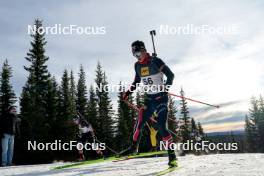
(151, 73)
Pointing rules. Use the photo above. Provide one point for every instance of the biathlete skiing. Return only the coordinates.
(150, 70)
(85, 134)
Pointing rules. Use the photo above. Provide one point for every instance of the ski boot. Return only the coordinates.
(172, 159)
(81, 157)
(153, 149)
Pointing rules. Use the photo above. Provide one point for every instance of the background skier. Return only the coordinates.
(85, 134)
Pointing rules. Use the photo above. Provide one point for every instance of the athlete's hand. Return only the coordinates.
(126, 95)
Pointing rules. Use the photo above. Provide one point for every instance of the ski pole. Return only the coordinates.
(82, 117)
(112, 150)
(153, 33)
(179, 96)
(135, 107)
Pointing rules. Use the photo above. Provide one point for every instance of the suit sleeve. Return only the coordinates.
(166, 70)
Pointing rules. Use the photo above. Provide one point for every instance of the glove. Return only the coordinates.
(166, 89)
(126, 95)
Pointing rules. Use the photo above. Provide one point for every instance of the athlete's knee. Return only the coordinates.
(140, 116)
(162, 111)
(167, 139)
(164, 132)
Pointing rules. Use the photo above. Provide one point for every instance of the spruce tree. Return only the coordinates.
(194, 130)
(200, 130)
(251, 127)
(72, 95)
(126, 117)
(92, 110)
(250, 132)
(123, 130)
(172, 120)
(52, 106)
(7, 95)
(185, 122)
(82, 93)
(36, 124)
(260, 123)
(66, 96)
(33, 98)
(67, 129)
(105, 110)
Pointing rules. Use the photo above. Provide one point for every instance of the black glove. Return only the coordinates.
(126, 95)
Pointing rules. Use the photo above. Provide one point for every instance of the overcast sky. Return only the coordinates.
(225, 69)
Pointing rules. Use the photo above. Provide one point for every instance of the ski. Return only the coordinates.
(113, 158)
(166, 171)
(141, 155)
(81, 163)
(121, 159)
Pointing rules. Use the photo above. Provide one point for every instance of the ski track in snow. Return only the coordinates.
(190, 165)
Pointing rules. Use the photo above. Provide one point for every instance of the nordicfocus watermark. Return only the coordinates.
(191, 29)
(59, 145)
(139, 87)
(199, 146)
(59, 29)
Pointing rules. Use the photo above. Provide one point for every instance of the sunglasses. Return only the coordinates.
(137, 54)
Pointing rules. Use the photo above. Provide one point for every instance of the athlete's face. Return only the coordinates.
(139, 54)
(143, 55)
(13, 110)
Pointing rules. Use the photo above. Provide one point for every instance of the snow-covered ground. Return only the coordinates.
(213, 165)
